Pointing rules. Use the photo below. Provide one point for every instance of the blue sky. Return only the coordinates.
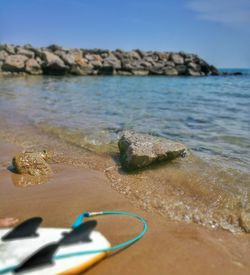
(217, 30)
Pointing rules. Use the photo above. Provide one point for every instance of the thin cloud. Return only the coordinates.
(229, 12)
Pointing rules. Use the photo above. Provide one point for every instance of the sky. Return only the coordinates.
(217, 30)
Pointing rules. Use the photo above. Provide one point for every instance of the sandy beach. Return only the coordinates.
(168, 247)
(132, 106)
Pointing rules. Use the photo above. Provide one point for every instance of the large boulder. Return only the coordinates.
(170, 71)
(53, 64)
(3, 55)
(32, 67)
(32, 163)
(141, 150)
(177, 59)
(8, 48)
(81, 69)
(25, 52)
(112, 61)
(66, 57)
(193, 72)
(15, 63)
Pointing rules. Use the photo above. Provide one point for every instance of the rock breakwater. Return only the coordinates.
(56, 60)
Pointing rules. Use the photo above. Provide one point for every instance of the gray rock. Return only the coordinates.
(141, 53)
(169, 64)
(89, 57)
(32, 67)
(113, 62)
(54, 48)
(15, 63)
(31, 163)
(141, 150)
(177, 59)
(3, 55)
(53, 64)
(134, 55)
(140, 72)
(245, 220)
(123, 73)
(39, 60)
(163, 56)
(25, 52)
(170, 71)
(146, 64)
(192, 72)
(8, 48)
(149, 59)
(66, 57)
(96, 64)
(181, 69)
(81, 70)
(194, 66)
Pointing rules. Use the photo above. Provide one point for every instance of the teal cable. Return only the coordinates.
(112, 248)
(79, 220)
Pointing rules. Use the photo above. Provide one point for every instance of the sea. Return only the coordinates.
(210, 115)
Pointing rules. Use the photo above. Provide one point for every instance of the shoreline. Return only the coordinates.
(189, 190)
(179, 247)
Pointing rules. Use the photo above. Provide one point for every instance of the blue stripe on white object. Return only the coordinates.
(14, 252)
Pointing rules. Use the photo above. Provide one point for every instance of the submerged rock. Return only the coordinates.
(141, 150)
(32, 163)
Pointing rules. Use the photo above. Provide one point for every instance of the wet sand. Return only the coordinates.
(168, 247)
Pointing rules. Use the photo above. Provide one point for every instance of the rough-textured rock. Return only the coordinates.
(245, 220)
(81, 70)
(123, 73)
(53, 64)
(31, 163)
(140, 72)
(57, 60)
(113, 62)
(3, 55)
(32, 67)
(141, 150)
(66, 57)
(177, 59)
(192, 72)
(170, 71)
(15, 63)
(181, 69)
(8, 48)
(25, 52)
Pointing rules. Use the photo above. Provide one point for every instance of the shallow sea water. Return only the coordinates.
(211, 115)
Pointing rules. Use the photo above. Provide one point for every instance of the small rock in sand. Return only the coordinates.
(245, 220)
(141, 150)
(32, 163)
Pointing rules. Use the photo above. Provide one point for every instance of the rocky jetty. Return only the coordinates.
(141, 150)
(56, 60)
